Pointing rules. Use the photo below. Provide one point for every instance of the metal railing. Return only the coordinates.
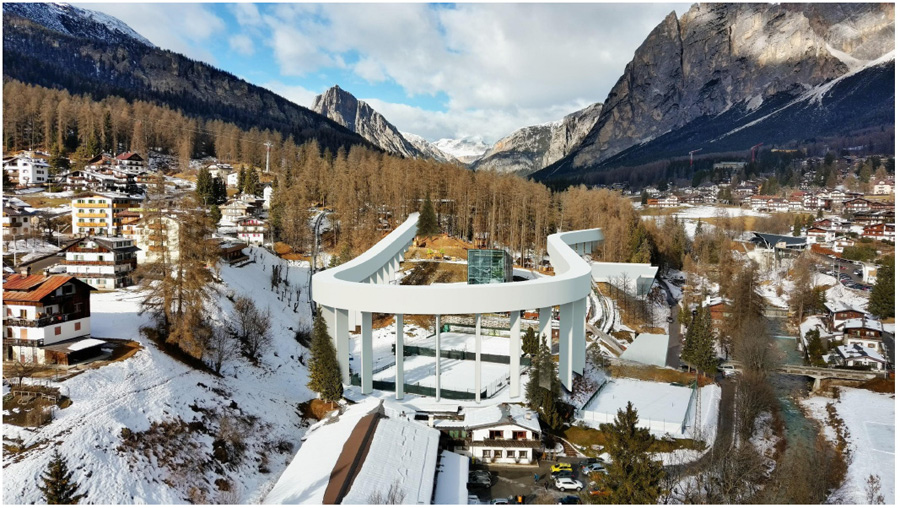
(42, 321)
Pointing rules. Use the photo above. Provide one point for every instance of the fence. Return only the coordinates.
(417, 389)
(524, 361)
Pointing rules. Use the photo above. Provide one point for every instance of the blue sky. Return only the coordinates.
(436, 70)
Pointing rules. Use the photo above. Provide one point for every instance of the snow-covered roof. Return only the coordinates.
(306, 477)
(84, 344)
(502, 414)
(856, 351)
(453, 473)
(871, 324)
(648, 348)
(403, 453)
(840, 306)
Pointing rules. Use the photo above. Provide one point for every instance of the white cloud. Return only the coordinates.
(294, 93)
(182, 28)
(241, 43)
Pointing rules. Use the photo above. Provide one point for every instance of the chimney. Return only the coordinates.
(46, 272)
(26, 271)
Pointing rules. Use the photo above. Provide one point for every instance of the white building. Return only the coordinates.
(39, 311)
(26, 169)
(101, 214)
(231, 180)
(251, 230)
(856, 356)
(18, 223)
(102, 262)
(154, 236)
(501, 434)
(883, 187)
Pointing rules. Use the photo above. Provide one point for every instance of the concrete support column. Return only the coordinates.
(365, 357)
(379, 276)
(328, 316)
(565, 344)
(515, 352)
(579, 343)
(478, 358)
(353, 320)
(342, 343)
(545, 328)
(398, 355)
(437, 357)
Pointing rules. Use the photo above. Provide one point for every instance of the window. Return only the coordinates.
(498, 454)
(510, 454)
(496, 434)
(77, 325)
(523, 454)
(486, 454)
(57, 330)
(520, 435)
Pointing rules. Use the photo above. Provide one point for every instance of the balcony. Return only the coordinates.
(90, 263)
(91, 215)
(87, 249)
(91, 225)
(43, 321)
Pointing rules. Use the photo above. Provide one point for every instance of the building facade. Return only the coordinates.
(40, 311)
(101, 214)
(102, 262)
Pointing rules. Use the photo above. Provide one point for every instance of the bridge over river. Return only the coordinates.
(820, 373)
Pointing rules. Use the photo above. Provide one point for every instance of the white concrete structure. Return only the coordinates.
(350, 293)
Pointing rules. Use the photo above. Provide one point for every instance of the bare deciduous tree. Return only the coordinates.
(251, 327)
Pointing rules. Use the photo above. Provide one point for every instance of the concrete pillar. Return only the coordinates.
(515, 352)
(379, 275)
(579, 343)
(565, 344)
(353, 320)
(342, 343)
(365, 357)
(398, 355)
(478, 358)
(437, 357)
(328, 315)
(545, 328)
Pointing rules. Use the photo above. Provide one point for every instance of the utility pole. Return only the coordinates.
(268, 149)
(753, 152)
(691, 153)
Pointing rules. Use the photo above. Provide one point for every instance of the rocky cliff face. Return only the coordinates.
(427, 148)
(531, 148)
(342, 107)
(720, 56)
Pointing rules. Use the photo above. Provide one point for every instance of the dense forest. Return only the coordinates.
(369, 191)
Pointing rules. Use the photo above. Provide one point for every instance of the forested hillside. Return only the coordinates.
(370, 192)
(135, 71)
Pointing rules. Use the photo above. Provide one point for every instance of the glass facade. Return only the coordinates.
(489, 266)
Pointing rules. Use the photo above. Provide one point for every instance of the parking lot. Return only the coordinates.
(508, 481)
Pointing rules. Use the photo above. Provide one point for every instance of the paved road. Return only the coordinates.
(725, 435)
(519, 481)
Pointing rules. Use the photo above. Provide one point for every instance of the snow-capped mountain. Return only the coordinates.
(427, 148)
(345, 109)
(721, 62)
(531, 148)
(466, 150)
(75, 21)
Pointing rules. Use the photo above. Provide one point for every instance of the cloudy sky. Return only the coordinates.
(437, 70)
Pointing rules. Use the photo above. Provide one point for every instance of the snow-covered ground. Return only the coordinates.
(27, 249)
(708, 211)
(456, 375)
(151, 387)
(661, 407)
(870, 421)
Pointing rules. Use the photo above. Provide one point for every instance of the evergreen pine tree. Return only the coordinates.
(881, 303)
(633, 477)
(215, 214)
(251, 182)
(204, 187)
(242, 179)
(58, 487)
(530, 342)
(542, 392)
(219, 192)
(324, 370)
(428, 225)
(699, 343)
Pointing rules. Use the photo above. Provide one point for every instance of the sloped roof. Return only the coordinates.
(35, 288)
(870, 324)
(502, 414)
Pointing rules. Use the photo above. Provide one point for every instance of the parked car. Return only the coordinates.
(727, 369)
(858, 273)
(564, 473)
(593, 468)
(569, 484)
(569, 500)
(473, 499)
(558, 467)
(592, 460)
(500, 500)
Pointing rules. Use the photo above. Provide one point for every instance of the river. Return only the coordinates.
(789, 389)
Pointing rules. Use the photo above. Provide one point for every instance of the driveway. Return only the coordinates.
(519, 481)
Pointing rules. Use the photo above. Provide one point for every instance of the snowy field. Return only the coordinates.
(151, 387)
(661, 407)
(706, 211)
(455, 374)
(870, 420)
(28, 249)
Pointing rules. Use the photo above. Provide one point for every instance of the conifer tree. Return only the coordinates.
(881, 303)
(542, 393)
(530, 342)
(242, 179)
(428, 225)
(324, 370)
(251, 182)
(699, 350)
(58, 487)
(633, 477)
(204, 189)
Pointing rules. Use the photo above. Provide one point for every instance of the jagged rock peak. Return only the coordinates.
(345, 109)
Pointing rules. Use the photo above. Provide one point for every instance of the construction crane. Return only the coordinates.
(691, 153)
(753, 152)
